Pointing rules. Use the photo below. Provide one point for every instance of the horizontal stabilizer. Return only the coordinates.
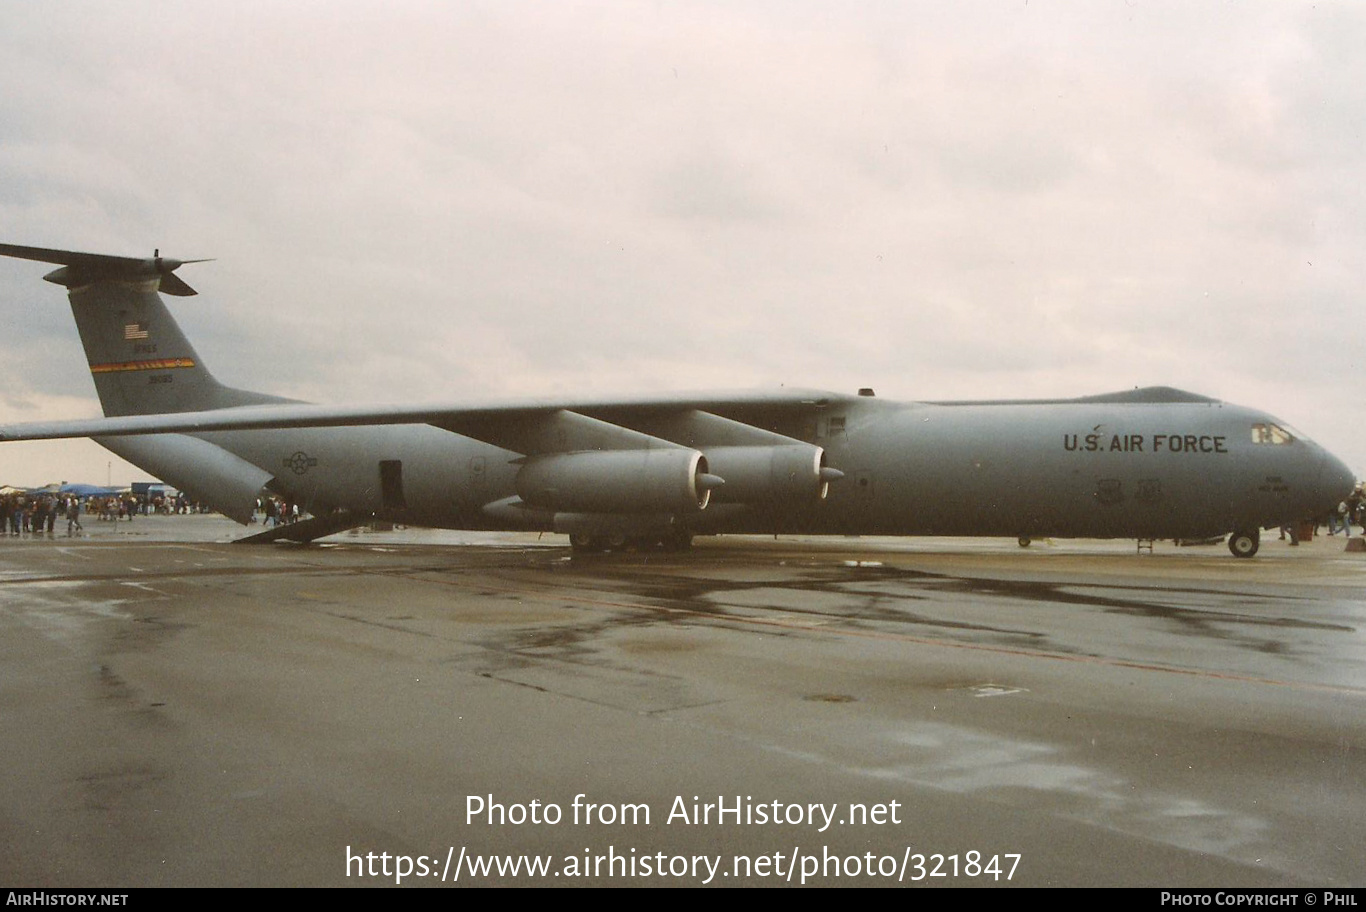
(80, 269)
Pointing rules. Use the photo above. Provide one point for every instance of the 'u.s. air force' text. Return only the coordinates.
(1145, 443)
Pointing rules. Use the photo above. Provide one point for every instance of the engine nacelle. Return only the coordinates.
(793, 473)
(665, 480)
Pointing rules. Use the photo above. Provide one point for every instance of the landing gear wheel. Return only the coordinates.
(1024, 541)
(1244, 544)
(583, 543)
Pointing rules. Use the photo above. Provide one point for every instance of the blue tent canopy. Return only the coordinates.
(88, 490)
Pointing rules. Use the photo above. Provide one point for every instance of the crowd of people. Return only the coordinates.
(38, 512)
(34, 513)
(276, 511)
(28, 514)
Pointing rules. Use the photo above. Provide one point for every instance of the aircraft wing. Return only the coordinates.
(531, 427)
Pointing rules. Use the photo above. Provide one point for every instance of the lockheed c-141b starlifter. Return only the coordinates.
(1154, 463)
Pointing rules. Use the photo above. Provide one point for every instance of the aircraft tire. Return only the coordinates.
(1024, 541)
(583, 543)
(1244, 543)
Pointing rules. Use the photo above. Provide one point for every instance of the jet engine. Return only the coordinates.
(662, 480)
(793, 473)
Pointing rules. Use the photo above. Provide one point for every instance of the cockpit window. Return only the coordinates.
(1271, 434)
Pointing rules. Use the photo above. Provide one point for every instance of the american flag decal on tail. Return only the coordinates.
(134, 331)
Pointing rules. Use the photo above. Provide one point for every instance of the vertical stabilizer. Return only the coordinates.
(140, 360)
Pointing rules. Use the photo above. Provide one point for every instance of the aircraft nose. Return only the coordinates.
(1336, 481)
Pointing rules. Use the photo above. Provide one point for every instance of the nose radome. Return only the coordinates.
(1336, 480)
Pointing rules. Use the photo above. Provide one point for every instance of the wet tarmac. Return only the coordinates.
(177, 710)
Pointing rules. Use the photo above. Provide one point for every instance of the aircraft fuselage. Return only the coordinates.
(1066, 469)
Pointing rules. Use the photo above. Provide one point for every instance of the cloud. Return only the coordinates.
(431, 201)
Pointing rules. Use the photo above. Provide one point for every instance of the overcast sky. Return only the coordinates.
(427, 201)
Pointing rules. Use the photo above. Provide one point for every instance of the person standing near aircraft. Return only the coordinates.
(1340, 518)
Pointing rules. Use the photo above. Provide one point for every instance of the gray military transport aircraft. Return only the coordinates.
(1154, 463)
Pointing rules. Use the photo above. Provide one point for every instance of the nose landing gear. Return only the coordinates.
(1244, 543)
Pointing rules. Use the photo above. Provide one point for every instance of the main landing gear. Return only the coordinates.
(589, 543)
(1244, 543)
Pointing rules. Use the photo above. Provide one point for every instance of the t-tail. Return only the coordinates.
(141, 362)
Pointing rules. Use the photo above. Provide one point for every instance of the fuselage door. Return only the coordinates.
(391, 484)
